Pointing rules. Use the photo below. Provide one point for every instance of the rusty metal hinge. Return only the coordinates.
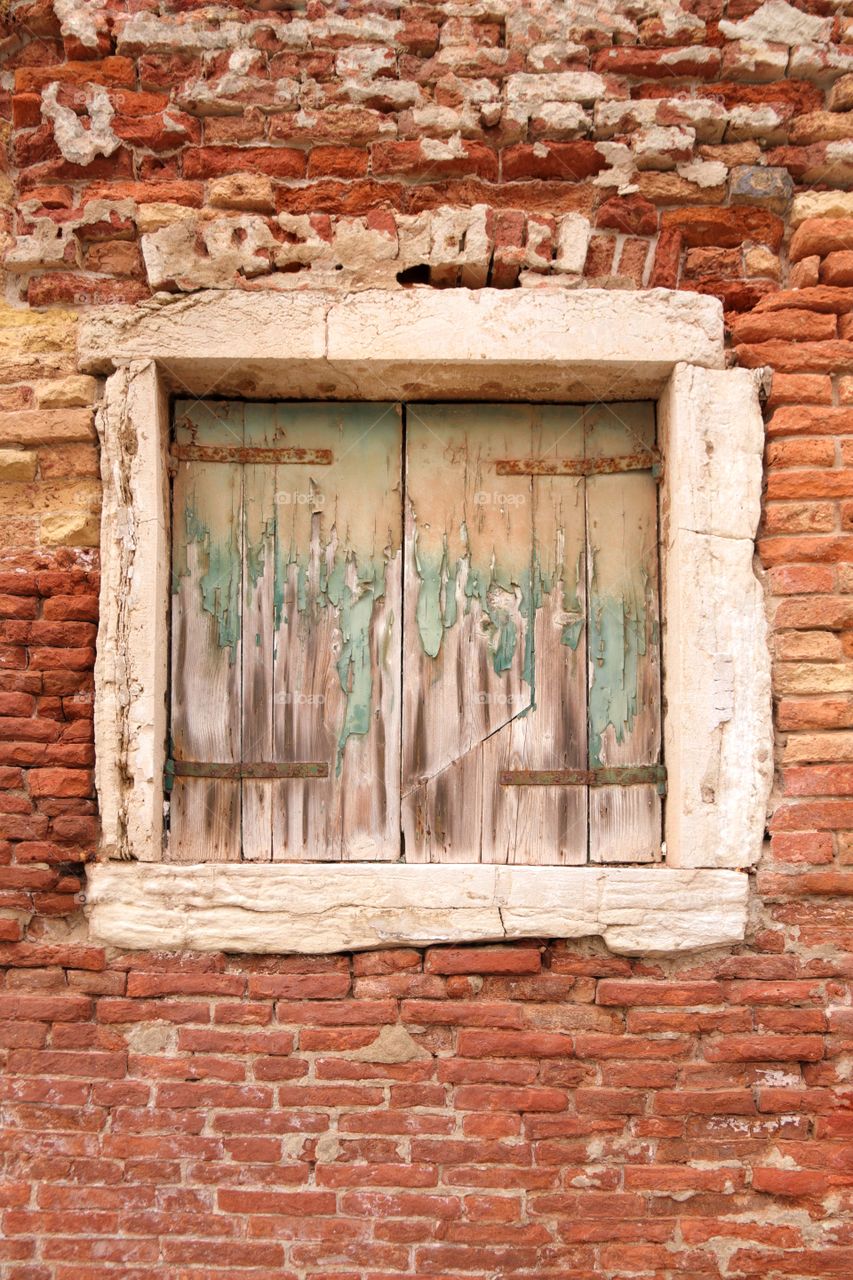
(259, 770)
(616, 776)
(238, 453)
(649, 460)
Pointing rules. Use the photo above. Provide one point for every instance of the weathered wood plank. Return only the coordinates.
(206, 638)
(258, 709)
(624, 635)
(488, 563)
(336, 663)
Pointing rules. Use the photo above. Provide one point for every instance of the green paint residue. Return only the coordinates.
(220, 583)
(332, 575)
(437, 609)
(617, 641)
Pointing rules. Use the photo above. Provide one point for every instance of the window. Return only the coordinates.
(427, 632)
(546, 347)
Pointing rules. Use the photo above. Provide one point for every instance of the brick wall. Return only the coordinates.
(467, 1114)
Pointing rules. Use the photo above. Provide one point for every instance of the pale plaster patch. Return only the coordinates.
(393, 1044)
(79, 145)
(320, 908)
(779, 22)
(81, 18)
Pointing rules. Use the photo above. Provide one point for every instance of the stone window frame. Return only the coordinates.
(547, 344)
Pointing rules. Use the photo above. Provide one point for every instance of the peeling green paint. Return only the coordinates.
(489, 585)
(617, 641)
(220, 582)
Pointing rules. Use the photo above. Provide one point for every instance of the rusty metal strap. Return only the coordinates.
(245, 769)
(223, 453)
(617, 776)
(649, 460)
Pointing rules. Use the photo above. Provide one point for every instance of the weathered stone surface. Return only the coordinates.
(317, 909)
(717, 729)
(131, 665)
(312, 343)
(573, 235)
(78, 144)
(757, 184)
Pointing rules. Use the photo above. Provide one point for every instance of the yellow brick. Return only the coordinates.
(814, 677)
(47, 426)
(67, 393)
(807, 646)
(22, 332)
(818, 748)
(71, 529)
(17, 464)
(151, 217)
(44, 497)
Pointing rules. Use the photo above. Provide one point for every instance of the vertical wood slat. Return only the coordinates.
(258, 710)
(205, 814)
(337, 652)
(477, 546)
(624, 634)
(314, 562)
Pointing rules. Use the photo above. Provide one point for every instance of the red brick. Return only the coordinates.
(796, 326)
(569, 161)
(632, 214)
(485, 960)
(216, 162)
(110, 71)
(821, 236)
(837, 269)
(514, 1044)
(341, 162)
(615, 992)
(664, 273)
(413, 160)
(60, 782)
(713, 225)
(660, 64)
(805, 420)
(819, 298)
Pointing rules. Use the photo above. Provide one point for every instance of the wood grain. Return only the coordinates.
(624, 657)
(206, 722)
(480, 551)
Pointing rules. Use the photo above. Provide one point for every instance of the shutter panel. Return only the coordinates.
(315, 675)
(624, 634)
(207, 505)
(494, 660)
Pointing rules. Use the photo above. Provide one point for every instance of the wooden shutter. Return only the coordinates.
(513, 541)
(286, 635)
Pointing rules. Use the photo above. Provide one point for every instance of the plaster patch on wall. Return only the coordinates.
(77, 144)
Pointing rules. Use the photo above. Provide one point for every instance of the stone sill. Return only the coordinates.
(316, 908)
